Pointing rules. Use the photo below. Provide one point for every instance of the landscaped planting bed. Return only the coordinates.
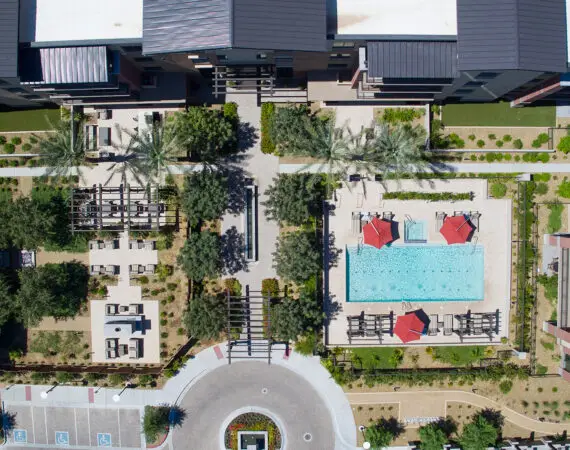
(501, 138)
(252, 422)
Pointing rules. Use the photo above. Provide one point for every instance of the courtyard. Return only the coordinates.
(378, 285)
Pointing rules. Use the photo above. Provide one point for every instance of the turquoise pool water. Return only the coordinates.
(415, 231)
(415, 273)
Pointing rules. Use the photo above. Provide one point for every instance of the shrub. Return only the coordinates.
(163, 322)
(545, 177)
(33, 140)
(471, 137)
(27, 147)
(543, 138)
(406, 115)
(164, 335)
(267, 117)
(564, 144)
(481, 157)
(16, 140)
(536, 157)
(480, 143)
(508, 157)
(155, 422)
(507, 138)
(541, 189)
(64, 377)
(9, 148)
(270, 287)
(498, 190)
(505, 386)
(517, 158)
(163, 271)
(492, 137)
(430, 196)
(499, 144)
(456, 141)
(143, 279)
(231, 112)
(536, 143)
(473, 157)
(518, 144)
(145, 379)
(2, 140)
(171, 286)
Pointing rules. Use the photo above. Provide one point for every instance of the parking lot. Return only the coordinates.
(75, 427)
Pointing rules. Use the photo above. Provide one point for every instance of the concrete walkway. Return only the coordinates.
(434, 404)
(262, 168)
(308, 370)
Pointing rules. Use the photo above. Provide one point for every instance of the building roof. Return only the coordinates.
(394, 18)
(9, 38)
(512, 34)
(186, 25)
(412, 59)
(65, 65)
(85, 21)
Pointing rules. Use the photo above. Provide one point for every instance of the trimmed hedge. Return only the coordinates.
(430, 196)
(267, 117)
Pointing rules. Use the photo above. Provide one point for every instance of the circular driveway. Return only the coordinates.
(286, 396)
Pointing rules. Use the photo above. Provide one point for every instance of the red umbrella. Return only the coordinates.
(456, 229)
(377, 232)
(409, 327)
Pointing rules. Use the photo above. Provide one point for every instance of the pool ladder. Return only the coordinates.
(474, 244)
(409, 219)
(359, 246)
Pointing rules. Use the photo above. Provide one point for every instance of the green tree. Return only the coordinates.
(205, 134)
(152, 151)
(205, 316)
(155, 422)
(398, 149)
(383, 432)
(478, 435)
(201, 256)
(564, 189)
(294, 199)
(432, 437)
(31, 223)
(205, 196)
(55, 290)
(297, 257)
(293, 317)
(59, 152)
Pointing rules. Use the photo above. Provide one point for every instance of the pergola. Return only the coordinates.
(120, 208)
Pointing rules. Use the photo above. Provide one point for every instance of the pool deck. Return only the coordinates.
(494, 235)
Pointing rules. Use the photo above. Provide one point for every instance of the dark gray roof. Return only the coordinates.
(512, 34)
(186, 25)
(280, 24)
(65, 65)
(9, 38)
(181, 25)
(416, 59)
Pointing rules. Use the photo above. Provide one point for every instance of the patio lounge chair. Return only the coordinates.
(111, 309)
(448, 325)
(123, 309)
(134, 348)
(150, 268)
(93, 244)
(109, 245)
(110, 344)
(110, 269)
(135, 309)
(439, 218)
(95, 270)
(474, 218)
(387, 215)
(132, 244)
(433, 329)
(149, 245)
(111, 353)
(134, 269)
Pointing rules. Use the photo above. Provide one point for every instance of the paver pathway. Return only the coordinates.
(434, 404)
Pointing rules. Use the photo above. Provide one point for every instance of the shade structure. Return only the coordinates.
(456, 229)
(410, 327)
(377, 232)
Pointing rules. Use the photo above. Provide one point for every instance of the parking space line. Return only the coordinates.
(119, 421)
(89, 424)
(45, 423)
(75, 419)
(33, 423)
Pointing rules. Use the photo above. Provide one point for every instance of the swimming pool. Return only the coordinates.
(415, 273)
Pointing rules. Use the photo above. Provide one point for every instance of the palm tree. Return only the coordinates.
(64, 150)
(127, 161)
(152, 151)
(396, 149)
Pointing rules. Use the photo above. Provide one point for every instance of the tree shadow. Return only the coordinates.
(332, 253)
(236, 181)
(447, 425)
(233, 257)
(493, 416)
(8, 422)
(176, 416)
(393, 425)
(247, 136)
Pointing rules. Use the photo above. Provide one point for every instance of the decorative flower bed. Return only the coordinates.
(252, 422)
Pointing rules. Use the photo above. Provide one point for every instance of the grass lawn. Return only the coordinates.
(28, 120)
(459, 355)
(498, 115)
(378, 358)
(555, 218)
